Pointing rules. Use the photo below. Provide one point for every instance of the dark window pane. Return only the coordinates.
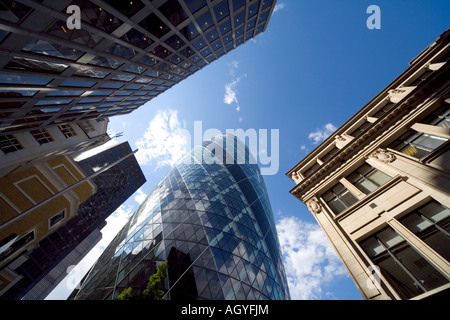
(154, 25)
(173, 11)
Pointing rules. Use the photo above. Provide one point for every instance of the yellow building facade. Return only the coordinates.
(24, 220)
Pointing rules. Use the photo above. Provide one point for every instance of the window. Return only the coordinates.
(20, 79)
(17, 245)
(385, 109)
(405, 269)
(221, 10)
(417, 144)
(173, 11)
(128, 8)
(439, 118)
(56, 218)
(367, 178)
(339, 198)
(33, 65)
(361, 129)
(67, 130)
(78, 83)
(52, 49)
(42, 136)
(9, 144)
(311, 170)
(87, 126)
(330, 154)
(431, 223)
(137, 38)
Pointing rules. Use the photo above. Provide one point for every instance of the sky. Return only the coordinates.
(316, 65)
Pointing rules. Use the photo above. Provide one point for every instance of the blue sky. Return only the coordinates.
(315, 66)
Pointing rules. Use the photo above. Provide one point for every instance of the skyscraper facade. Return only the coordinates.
(63, 62)
(211, 219)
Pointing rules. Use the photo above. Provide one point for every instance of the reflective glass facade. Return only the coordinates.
(211, 219)
(138, 49)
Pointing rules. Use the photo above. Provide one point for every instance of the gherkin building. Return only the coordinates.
(211, 219)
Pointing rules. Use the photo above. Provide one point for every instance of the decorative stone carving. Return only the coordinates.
(314, 206)
(295, 176)
(340, 138)
(382, 155)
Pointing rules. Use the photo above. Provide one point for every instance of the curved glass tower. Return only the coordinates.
(211, 219)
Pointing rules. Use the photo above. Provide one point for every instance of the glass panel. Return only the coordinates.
(128, 8)
(373, 247)
(190, 31)
(205, 21)
(173, 11)
(137, 38)
(65, 93)
(20, 79)
(390, 238)
(416, 223)
(423, 223)
(429, 277)
(435, 211)
(221, 10)
(195, 5)
(52, 49)
(106, 62)
(416, 144)
(154, 25)
(78, 83)
(398, 278)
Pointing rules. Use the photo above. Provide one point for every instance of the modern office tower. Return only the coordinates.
(26, 149)
(211, 219)
(45, 264)
(379, 186)
(56, 69)
(32, 208)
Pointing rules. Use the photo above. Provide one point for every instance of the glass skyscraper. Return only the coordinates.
(211, 219)
(122, 55)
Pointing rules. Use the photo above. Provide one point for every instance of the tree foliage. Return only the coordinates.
(152, 291)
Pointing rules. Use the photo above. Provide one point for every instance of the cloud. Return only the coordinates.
(279, 6)
(310, 260)
(321, 134)
(164, 141)
(231, 92)
(140, 196)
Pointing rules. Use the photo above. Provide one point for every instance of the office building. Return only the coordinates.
(211, 219)
(56, 69)
(45, 264)
(26, 149)
(32, 208)
(379, 186)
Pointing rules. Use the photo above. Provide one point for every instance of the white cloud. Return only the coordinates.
(140, 196)
(310, 260)
(279, 6)
(164, 141)
(231, 92)
(321, 134)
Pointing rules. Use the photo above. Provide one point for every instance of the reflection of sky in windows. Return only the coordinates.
(208, 212)
(21, 79)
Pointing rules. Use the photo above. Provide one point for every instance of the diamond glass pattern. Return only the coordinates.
(211, 221)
